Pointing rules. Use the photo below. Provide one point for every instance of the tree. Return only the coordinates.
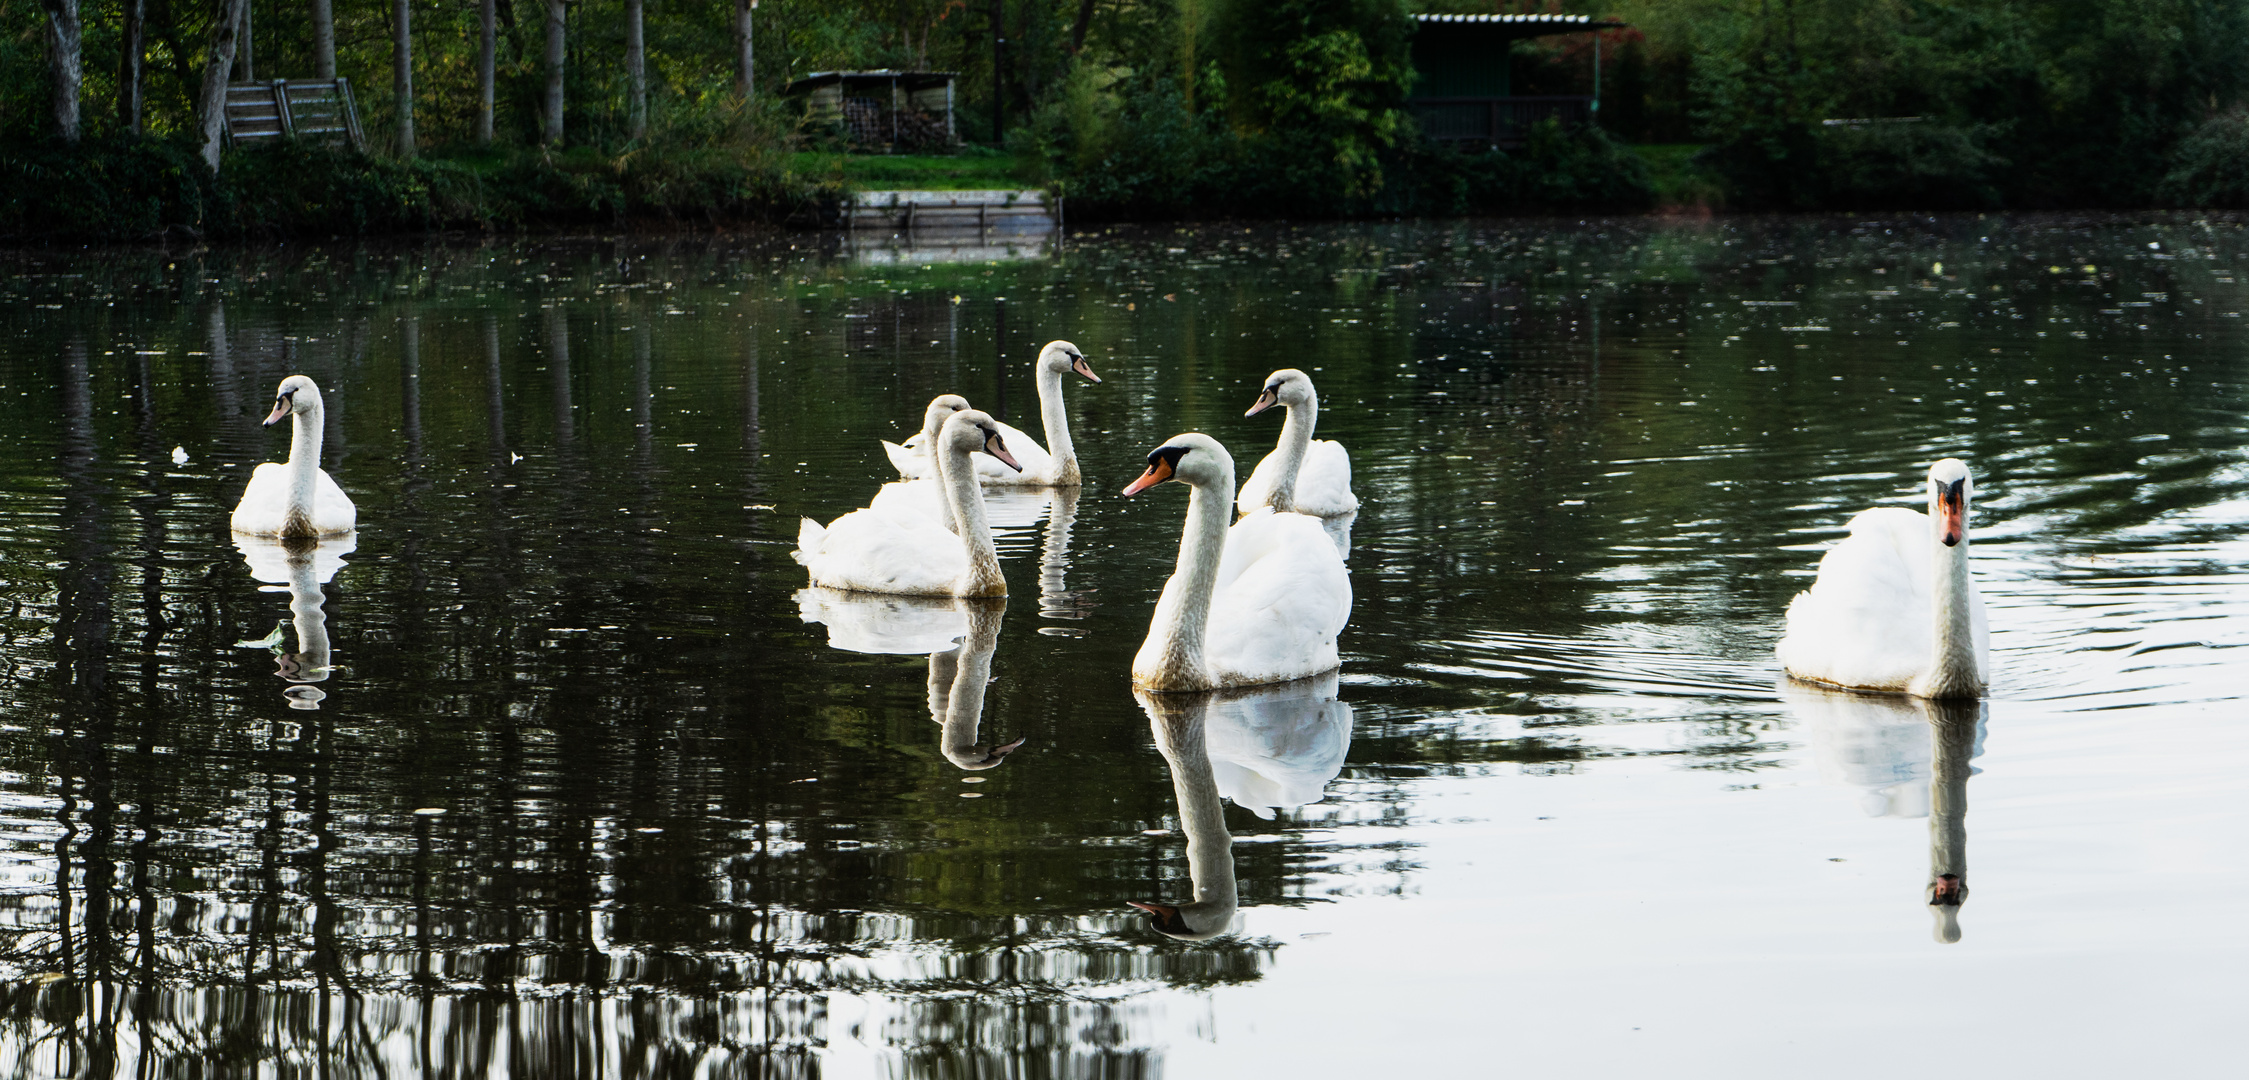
(323, 39)
(402, 72)
(129, 66)
(745, 75)
(486, 70)
(218, 60)
(65, 59)
(550, 113)
(636, 73)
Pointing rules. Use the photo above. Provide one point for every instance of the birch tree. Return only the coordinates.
(66, 63)
(550, 112)
(402, 71)
(218, 60)
(636, 72)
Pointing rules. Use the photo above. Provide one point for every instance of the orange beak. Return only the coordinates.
(1952, 518)
(998, 449)
(1265, 400)
(1157, 473)
(280, 409)
(1081, 367)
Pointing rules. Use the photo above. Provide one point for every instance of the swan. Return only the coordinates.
(959, 634)
(1261, 602)
(295, 498)
(1302, 475)
(1893, 608)
(885, 551)
(1178, 723)
(1055, 465)
(300, 568)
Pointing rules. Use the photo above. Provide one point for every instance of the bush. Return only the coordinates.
(1557, 169)
(2210, 168)
(104, 188)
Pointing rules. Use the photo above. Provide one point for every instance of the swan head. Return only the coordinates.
(296, 395)
(1946, 893)
(941, 408)
(1287, 386)
(1950, 487)
(969, 431)
(1062, 358)
(1194, 459)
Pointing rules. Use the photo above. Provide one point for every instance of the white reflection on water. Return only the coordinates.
(301, 567)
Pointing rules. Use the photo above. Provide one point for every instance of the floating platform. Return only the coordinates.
(968, 213)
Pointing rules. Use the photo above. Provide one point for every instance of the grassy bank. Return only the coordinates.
(973, 168)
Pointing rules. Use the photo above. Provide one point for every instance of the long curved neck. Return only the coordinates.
(1210, 848)
(945, 517)
(1172, 657)
(1952, 670)
(1296, 441)
(1057, 420)
(304, 470)
(982, 578)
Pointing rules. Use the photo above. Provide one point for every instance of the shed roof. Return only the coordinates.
(1543, 23)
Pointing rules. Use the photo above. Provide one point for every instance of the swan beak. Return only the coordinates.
(1159, 471)
(998, 449)
(997, 753)
(1265, 400)
(1081, 367)
(1164, 917)
(1952, 516)
(280, 409)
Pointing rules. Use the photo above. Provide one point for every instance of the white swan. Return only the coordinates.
(1055, 465)
(1178, 723)
(1302, 475)
(295, 498)
(885, 551)
(1893, 608)
(1260, 602)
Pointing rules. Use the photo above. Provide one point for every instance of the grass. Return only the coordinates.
(972, 168)
(1679, 179)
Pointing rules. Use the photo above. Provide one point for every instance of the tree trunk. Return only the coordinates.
(1078, 28)
(66, 62)
(636, 72)
(246, 47)
(487, 46)
(210, 103)
(550, 113)
(745, 75)
(402, 72)
(129, 50)
(323, 39)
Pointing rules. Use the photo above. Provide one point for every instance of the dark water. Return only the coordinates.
(583, 794)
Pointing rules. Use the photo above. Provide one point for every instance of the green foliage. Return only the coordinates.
(2211, 166)
(103, 188)
(1319, 85)
(1557, 169)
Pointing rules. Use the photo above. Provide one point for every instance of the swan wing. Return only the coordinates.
(1323, 485)
(882, 552)
(1865, 621)
(260, 512)
(916, 498)
(332, 510)
(1004, 507)
(1281, 598)
(911, 461)
(1257, 491)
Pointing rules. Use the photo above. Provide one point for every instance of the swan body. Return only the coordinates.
(1005, 508)
(1054, 465)
(1260, 602)
(1276, 748)
(1302, 475)
(1893, 608)
(886, 551)
(295, 498)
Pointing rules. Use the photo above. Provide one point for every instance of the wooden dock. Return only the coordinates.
(973, 213)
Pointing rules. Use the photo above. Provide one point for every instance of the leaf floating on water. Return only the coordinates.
(179, 455)
(270, 641)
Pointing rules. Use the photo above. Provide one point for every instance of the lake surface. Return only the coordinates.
(549, 775)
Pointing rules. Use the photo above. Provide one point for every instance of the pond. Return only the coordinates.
(555, 768)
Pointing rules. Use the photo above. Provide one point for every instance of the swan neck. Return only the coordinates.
(1172, 658)
(304, 470)
(932, 422)
(1952, 731)
(1953, 671)
(958, 475)
(311, 623)
(1056, 417)
(1296, 442)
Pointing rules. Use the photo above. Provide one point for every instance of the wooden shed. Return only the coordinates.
(1463, 77)
(884, 111)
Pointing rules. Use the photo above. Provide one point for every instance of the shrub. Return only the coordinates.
(2210, 168)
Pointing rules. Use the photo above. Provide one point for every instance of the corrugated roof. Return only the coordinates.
(1586, 21)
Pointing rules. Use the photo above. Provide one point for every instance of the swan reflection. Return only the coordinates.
(1269, 749)
(1056, 599)
(959, 634)
(1910, 758)
(300, 567)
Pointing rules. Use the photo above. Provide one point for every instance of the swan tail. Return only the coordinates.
(810, 535)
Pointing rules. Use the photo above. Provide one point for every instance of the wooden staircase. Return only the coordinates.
(320, 109)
